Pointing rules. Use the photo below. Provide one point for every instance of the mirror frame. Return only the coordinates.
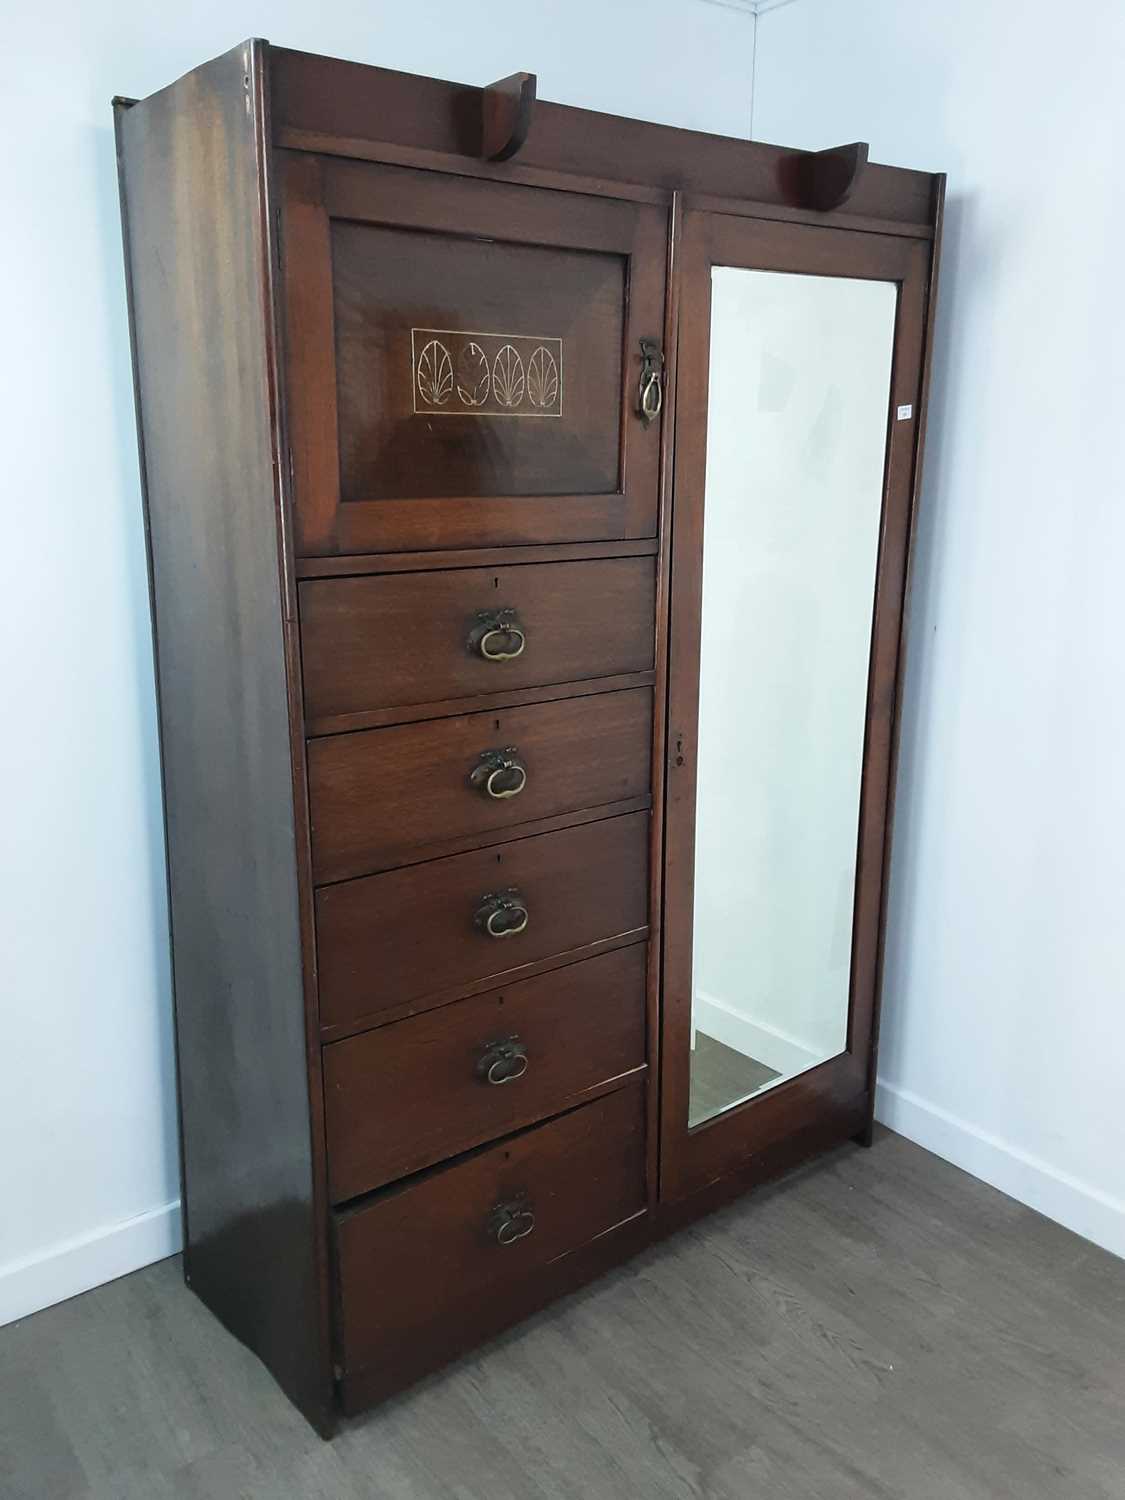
(832, 1099)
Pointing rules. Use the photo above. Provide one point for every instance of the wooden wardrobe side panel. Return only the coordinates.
(192, 160)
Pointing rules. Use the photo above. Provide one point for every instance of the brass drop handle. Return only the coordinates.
(503, 1061)
(499, 774)
(497, 635)
(512, 1221)
(502, 914)
(650, 398)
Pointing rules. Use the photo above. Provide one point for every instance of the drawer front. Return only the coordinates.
(421, 1263)
(380, 797)
(405, 1096)
(400, 639)
(414, 935)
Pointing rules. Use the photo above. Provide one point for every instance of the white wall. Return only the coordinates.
(88, 1170)
(1004, 1032)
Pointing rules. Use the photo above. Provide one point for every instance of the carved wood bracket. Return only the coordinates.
(823, 180)
(506, 111)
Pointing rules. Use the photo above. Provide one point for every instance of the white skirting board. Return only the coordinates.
(64, 1270)
(1077, 1205)
(766, 1044)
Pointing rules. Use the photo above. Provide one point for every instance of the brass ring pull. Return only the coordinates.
(498, 925)
(500, 774)
(502, 914)
(503, 633)
(651, 398)
(497, 635)
(492, 784)
(503, 1061)
(509, 1222)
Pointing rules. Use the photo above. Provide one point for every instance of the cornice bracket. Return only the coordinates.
(823, 180)
(506, 111)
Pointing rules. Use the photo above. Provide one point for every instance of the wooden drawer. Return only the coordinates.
(421, 1269)
(393, 640)
(385, 796)
(405, 1096)
(409, 938)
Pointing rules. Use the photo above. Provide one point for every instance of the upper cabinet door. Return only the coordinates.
(464, 359)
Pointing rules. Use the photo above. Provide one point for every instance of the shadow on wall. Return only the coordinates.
(923, 743)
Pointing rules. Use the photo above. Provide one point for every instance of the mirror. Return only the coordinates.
(798, 403)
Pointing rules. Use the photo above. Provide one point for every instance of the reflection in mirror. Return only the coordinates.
(796, 435)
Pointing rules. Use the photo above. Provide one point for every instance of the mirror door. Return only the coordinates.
(798, 384)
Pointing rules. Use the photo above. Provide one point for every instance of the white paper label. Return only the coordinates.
(905, 413)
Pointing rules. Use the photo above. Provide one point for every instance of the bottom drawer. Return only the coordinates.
(427, 1269)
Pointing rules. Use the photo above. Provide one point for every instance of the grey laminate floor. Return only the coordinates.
(721, 1077)
(878, 1325)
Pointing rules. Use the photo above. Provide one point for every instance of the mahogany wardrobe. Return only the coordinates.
(528, 495)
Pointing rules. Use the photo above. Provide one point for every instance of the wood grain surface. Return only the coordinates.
(404, 1096)
(394, 639)
(395, 796)
(578, 886)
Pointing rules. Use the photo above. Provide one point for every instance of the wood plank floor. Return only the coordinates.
(721, 1077)
(879, 1324)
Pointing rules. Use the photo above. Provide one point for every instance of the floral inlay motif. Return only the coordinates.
(472, 374)
(473, 377)
(435, 374)
(542, 378)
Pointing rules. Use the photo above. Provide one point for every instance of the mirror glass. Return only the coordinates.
(798, 407)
